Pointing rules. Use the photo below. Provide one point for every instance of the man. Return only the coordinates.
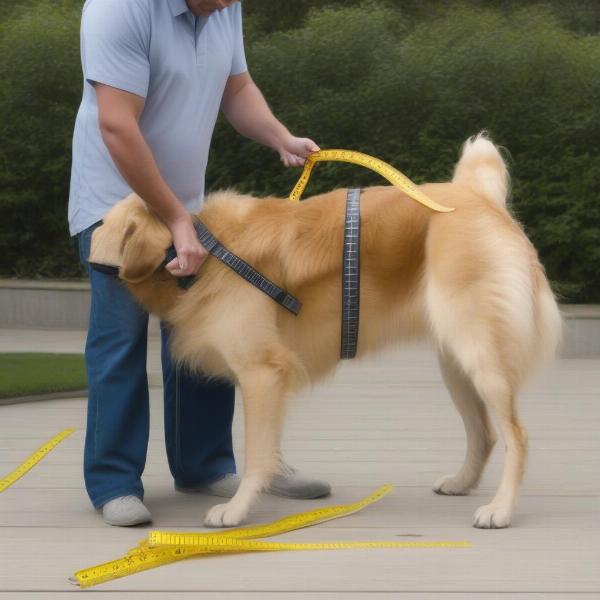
(156, 73)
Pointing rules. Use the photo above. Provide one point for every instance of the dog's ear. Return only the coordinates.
(105, 246)
(142, 247)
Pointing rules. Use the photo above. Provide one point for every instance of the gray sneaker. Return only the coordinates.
(125, 511)
(289, 484)
(225, 487)
(292, 484)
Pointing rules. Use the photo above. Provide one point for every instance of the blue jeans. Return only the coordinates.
(198, 413)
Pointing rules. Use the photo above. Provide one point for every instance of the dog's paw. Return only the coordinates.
(225, 515)
(492, 516)
(451, 486)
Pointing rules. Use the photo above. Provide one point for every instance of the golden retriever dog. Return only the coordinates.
(470, 280)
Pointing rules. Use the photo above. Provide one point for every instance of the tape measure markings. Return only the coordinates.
(144, 558)
(155, 552)
(290, 523)
(223, 544)
(393, 175)
(32, 460)
(165, 547)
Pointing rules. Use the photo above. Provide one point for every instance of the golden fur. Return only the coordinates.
(470, 280)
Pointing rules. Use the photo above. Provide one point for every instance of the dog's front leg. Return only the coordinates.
(263, 391)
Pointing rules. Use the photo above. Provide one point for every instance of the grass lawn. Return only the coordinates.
(36, 373)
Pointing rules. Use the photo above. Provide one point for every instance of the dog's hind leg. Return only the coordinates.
(492, 383)
(490, 350)
(498, 394)
(264, 387)
(478, 427)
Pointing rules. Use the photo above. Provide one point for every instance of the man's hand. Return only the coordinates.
(190, 252)
(294, 150)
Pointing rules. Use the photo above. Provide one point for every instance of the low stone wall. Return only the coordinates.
(44, 304)
(65, 305)
(582, 331)
(30, 304)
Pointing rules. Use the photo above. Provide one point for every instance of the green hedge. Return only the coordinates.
(40, 90)
(406, 81)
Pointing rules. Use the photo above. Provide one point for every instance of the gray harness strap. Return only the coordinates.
(244, 270)
(351, 275)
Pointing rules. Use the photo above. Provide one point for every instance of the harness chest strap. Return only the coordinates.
(244, 270)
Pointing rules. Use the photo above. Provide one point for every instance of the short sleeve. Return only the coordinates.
(238, 64)
(115, 44)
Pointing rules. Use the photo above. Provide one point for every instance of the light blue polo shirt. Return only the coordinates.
(180, 64)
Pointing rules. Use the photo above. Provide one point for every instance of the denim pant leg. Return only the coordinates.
(118, 408)
(198, 417)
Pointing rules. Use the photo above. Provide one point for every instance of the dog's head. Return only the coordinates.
(132, 239)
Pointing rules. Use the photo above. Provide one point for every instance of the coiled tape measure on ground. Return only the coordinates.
(164, 547)
(394, 176)
(34, 459)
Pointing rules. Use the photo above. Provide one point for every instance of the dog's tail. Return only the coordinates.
(482, 168)
(488, 298)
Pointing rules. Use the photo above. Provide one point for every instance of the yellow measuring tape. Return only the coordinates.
(34, 459)
(394, 176)
(164, 547)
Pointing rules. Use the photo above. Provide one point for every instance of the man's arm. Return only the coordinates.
(246, 109)
(118, 116)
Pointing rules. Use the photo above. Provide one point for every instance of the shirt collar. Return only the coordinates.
(178, 7)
